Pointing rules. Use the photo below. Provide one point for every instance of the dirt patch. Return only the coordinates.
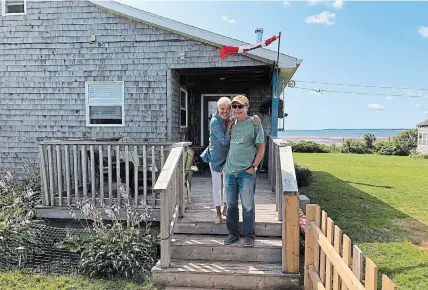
(417, 231)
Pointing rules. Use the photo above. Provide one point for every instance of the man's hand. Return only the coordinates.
(256, 120)
(251, 170)
(231, 122)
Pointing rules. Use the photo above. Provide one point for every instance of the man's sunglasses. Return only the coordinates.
(238, 106)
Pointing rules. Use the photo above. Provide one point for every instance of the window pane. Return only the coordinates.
(105, 93)
(183, 118)
(105, 114)
(14, 6)
(183, 99)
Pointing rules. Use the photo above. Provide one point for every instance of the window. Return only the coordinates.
(183, 108)
(105, 104)
(14, 7)
(423, 138)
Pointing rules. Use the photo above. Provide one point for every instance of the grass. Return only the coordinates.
(381, 203)
(19, 280)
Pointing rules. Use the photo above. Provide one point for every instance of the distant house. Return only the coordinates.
(104, 70)
(423, 137)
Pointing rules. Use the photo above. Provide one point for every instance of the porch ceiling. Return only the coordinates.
(258, 74)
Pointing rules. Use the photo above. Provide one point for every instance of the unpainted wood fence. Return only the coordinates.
(332, 262)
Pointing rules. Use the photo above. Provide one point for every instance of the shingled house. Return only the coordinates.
(423, 137)
(104, 70)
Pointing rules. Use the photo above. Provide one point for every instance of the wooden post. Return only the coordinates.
(346, 255)
(136, 164)
(311, 210)
(76, 173)
(67, 174)
(324, 218)
(44, 175)
(110, 177)
(387, 283)
(328, 271)
(59, 173)
(292, 234)
(101, 161)
(337, 245)
(92, 154)
(371, 275)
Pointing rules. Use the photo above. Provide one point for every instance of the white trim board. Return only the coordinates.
(270, 56)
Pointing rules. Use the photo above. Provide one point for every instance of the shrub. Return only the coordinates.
(116, 250)
(309, 147)
(407, 141)
(370, 140)
(355, 146)
(419, 155)
(387, 148)
(303, 175)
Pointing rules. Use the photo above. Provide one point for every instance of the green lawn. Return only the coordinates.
(381, 202)
(17, 280)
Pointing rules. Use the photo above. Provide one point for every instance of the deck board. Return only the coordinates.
(202, 209)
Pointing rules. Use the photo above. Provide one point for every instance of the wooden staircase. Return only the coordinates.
(199, 260)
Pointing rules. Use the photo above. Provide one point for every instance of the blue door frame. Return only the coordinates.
(275, 105)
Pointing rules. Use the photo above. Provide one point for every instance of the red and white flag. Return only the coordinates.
(228, 50)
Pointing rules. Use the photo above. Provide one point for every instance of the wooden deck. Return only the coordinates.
(201, 209)
(199, 258)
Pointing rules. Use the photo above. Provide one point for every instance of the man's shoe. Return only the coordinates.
(230, 239)
(248, 242)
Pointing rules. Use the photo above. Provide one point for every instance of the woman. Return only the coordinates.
(216, 152)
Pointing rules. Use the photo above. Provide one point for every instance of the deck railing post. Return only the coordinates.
(288, 208)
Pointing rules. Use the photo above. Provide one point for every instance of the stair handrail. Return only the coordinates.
(284, 184)
(171, 187)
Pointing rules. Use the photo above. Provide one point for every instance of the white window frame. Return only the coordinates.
(3, 9)
(424, 140)
(88, 121)
(184, 108)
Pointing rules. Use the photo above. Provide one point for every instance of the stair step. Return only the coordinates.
(221, 274)
(210, 247)
(201, 223)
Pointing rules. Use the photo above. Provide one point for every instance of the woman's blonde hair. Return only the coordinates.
(224, 100)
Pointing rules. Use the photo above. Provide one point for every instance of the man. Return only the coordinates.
(246, 151)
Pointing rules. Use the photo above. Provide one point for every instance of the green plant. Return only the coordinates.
(419, 155)
(303, 175)
(309, 147)
(387, 148)
(114, 250)
(355, 146)
(407, 141)
(370, 140)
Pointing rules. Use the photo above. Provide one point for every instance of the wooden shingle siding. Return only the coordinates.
(46, 56)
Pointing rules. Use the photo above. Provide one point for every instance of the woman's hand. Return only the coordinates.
(256, 120)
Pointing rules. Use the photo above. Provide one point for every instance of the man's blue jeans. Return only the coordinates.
(241, 185)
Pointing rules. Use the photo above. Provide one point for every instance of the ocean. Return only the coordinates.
(342, 133)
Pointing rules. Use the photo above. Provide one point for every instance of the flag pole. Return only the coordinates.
(278, 91)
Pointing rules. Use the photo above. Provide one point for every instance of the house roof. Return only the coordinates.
(285, 61)
(423, 124)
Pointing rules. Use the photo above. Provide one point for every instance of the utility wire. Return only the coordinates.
(357, 93)
(362, 86)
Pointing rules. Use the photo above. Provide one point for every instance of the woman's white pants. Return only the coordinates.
(218, 188)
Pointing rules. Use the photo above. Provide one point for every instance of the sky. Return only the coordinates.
(380, 44)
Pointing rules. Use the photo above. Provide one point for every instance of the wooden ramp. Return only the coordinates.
(199, 260)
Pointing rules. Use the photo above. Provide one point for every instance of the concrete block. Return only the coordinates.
(303, 201)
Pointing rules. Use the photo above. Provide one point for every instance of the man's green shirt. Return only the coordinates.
(243, 145)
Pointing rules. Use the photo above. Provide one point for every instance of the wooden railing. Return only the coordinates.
(171, 187)
(108, 171)
(328, 260)
(284, 184)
